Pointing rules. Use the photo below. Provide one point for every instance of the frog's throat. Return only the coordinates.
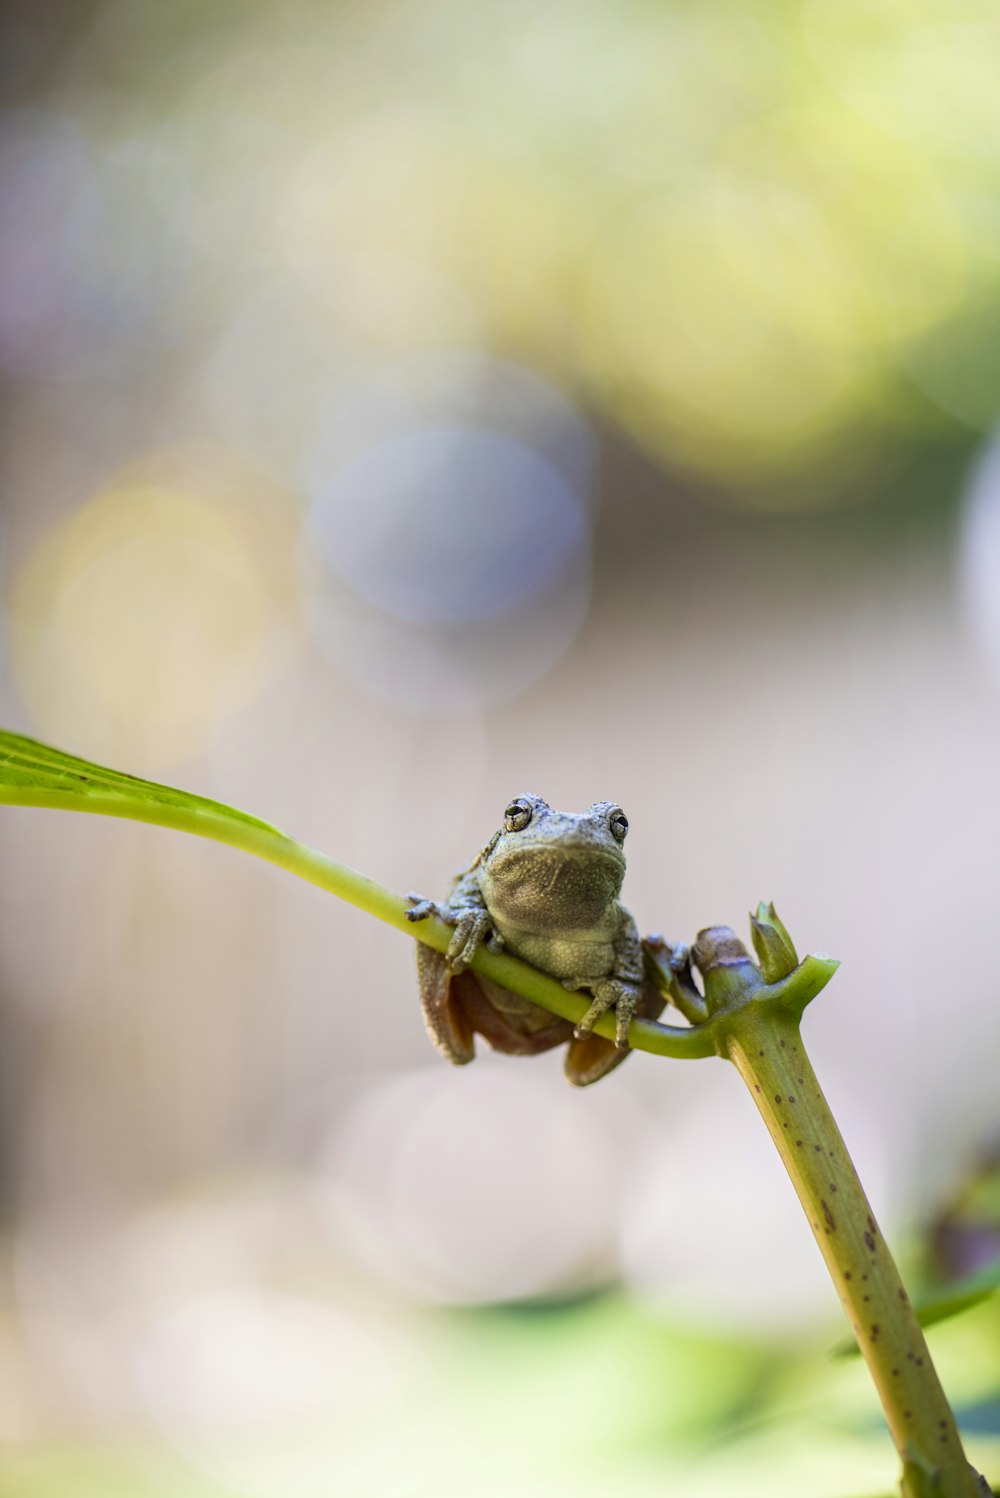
(553, 889)
(599, 854)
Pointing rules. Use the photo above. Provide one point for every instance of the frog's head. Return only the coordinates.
(554, 869)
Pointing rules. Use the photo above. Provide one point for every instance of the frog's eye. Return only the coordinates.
(618, 822)
(517, 815)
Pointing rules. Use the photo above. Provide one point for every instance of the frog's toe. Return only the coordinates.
(680, 958)
(471, 930)
(624, 1015)
(421, 909)
(605, 999)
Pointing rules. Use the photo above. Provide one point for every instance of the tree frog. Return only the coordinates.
(545, 887)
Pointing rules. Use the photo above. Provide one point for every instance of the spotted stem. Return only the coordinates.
(766, 1049)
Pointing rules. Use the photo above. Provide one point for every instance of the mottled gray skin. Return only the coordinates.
(545, 887)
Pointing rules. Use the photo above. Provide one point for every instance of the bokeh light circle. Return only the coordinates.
(462, 1195)
(451, 513)
(155, 610)
(979, 552)
(447, 524)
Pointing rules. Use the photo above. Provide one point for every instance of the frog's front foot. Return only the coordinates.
(609, 993)
(420, 908)
(472, 927)
(680, 958)
(675, 957)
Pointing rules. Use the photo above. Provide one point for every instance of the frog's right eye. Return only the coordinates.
(517, 815)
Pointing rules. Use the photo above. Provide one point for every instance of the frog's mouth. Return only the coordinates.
(545, 887)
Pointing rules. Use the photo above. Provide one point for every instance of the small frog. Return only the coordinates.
(545, 887)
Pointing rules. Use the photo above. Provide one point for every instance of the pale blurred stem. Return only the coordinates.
(764, 1044)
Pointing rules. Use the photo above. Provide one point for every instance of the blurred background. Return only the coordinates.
(409, 405)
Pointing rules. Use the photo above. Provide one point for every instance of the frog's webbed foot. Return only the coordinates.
(609, 993)
(472, 927)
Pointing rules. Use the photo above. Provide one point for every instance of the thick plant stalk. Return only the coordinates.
(758, 1031)
(771, 1059)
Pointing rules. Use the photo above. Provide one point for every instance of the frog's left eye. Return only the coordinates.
(618, 822)
(517, 815)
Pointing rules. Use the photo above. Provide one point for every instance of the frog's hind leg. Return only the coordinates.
(591, 1057)
(524, 1031)
(444, 1014)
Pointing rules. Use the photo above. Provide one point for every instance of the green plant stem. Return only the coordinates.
(766, 1048)
(262, 841)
